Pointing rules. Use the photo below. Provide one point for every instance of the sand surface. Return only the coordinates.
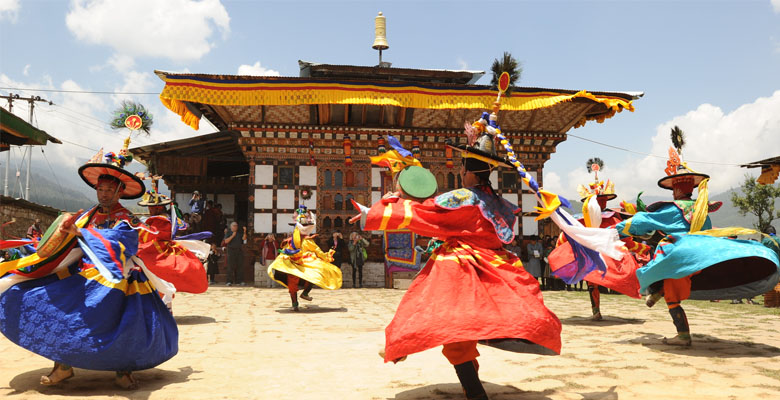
(245, 343)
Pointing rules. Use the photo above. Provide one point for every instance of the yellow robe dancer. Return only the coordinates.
(302, 259)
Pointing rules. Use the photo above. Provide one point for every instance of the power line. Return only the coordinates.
(648, 154)
(74, 91)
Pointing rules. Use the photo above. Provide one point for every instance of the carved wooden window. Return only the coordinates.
(326, 224)
(361, 179)
(349, 179)
(286, 175)
(338, 202)
(339, 179)
(450, 181)
(348, 203)
(328, 178)
(337, 223)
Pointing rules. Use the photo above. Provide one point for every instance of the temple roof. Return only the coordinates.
(381, 98)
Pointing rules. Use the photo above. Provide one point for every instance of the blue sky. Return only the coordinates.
(712, 67)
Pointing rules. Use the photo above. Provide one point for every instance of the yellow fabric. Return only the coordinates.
(550, 203)
(700, 207)
(729, 231)
(311, 264)
(286, 93)
(585, 211)
(407, 214)
(395, 161)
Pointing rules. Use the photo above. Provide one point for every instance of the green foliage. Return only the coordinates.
(508, 64)
(758, 200)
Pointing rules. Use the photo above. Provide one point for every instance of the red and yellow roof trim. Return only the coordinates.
(221, 90)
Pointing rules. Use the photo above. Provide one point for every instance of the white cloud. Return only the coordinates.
(749, 133)
(552, 182)
(462, 64)
(179, 30)
(256, 70)
(121, 62)
(9, 9)
(26, 70)
(776, 5)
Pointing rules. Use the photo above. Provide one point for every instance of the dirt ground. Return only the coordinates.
(245, 343)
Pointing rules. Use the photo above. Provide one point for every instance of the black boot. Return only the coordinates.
(467, 374)
(306, 289)
(680, 320)
(294, 298)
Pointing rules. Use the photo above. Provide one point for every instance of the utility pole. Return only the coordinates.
(32, 99)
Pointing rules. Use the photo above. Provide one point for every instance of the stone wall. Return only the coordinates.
(24, 213)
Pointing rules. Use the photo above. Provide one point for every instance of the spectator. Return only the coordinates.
(34, 231)
(211, 221)
(268, 251)
(336, 243)
(235, 255)
(547, 278)
(213, 263)
(535, 251)
(515, 247)
(221, 224)
(197, 208)
(357, 255)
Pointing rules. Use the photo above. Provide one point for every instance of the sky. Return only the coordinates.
(710, 67)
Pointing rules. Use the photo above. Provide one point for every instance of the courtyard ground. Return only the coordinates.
(245, 343)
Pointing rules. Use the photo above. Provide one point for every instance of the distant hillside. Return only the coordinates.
(62, 196)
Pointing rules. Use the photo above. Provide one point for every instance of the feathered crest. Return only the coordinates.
(508, 64)
(678, 138)
(595, 161)
(133, 116)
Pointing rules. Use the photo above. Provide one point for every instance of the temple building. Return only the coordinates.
(280, 135)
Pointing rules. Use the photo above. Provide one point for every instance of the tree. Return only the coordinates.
(509, 64)
(759, 200)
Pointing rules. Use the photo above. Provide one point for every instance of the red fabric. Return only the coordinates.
(621, 275)
(169, 260)
(460, 296)
(292, 284)
(470, 289)
(460, 352)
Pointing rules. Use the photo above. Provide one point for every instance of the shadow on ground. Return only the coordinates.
(607, 321)
(311, 309)
(193, 320)
(610, 394)
(88, 383)
(453, 391)
(708, 346)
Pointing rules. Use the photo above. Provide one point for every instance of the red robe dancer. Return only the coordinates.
(470, 289)
(169, 260)
(621, 274)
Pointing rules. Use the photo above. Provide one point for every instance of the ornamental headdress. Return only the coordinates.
(415, 180)
(678, 174)
(134, 117)
(588, 244)
(681, 177)
(153, 197)
(603, 190)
